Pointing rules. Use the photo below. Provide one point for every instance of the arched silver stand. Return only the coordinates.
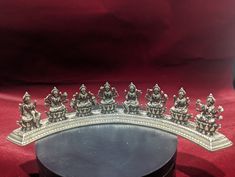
(211, 143)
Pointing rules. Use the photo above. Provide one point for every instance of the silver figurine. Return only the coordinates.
(179, 112)
(55, 101)
(156, 102)
(30, 117)
(108, 95)
(206, 120)
(83, 101)
(131, 104)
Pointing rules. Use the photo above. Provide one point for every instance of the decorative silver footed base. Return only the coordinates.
(85, 111)
(180, 118)
(56, 116)
(108, 108)
(211, 143)
(131, 109)
(205, 127)
(155, 112)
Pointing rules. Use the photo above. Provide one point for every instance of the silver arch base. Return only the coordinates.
(211, 143)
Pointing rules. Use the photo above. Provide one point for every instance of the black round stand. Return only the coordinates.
(107, 151)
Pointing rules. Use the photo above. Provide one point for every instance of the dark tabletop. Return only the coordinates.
(106, 151)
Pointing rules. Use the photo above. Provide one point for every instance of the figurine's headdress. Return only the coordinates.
(54, 90)
(82, 86)
(181, 90)
(211, 97)
(132, 85)
(156, 87)
(26, 95)
(106, 84)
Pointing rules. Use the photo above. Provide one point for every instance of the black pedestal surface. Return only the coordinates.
(107, 151)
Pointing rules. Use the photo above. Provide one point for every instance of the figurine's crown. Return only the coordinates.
(156, 87)
(26, 95)
(132, 85)
(181, 90)
(106, 84)
(54, 89)
(82, 86)
(212, 97)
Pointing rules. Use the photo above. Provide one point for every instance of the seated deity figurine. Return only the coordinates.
(30, 117)
(83, 101)
(131, 104)
(206, 120)
(157, 101)
(179, 112)
(55, 101)
(108, 94)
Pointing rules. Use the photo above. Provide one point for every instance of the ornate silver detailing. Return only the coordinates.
(203, 131)
(179, 112)
(107, 95)
(156, 102)
(55, 101)
(82, 102)
(206, 120)
(30, 117)
(131, 104)
(213, 143)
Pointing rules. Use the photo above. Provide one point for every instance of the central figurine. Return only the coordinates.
(179, 112)
(157, 101)
(131, 104)
(206, 120)
(55, 101)
(30, 117)
(83, 101)
(108, 95)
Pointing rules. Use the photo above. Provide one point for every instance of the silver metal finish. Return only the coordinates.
(156, 105)
(83, 101)
(206, 121)
(179, 112)
(30, 117)
(107, 94)
(55, 101)
(211, 143)
(131, 104)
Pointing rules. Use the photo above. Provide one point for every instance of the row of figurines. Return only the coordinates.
(83, 102)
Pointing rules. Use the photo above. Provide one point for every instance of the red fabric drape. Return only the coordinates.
(41, 39)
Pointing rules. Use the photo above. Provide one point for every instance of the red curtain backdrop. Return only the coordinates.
(50, 38)
(67, 43)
